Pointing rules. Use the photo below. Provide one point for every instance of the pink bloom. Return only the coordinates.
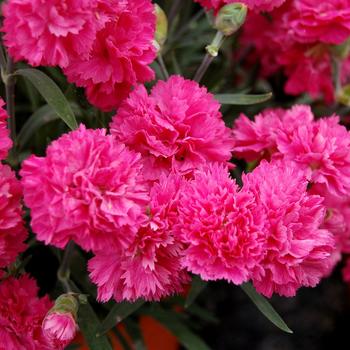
(120, 56)
(178, 127)
(322, 146)
(51, 32)
(221, 227)
(59, 328)
(297, 251)
(12, 230)
(150, 268)
(88, 188)
(21, 315)
(324, 21)
(295, 38)
(5, 141)
(257, 139)
(257, 5)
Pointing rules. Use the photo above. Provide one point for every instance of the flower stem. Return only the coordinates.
(212, 52)
(163, 67)
(10, 98)
(63, 273)
(174, 10)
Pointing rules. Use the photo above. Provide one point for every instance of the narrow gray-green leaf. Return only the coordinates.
(89, 324)
(242, 99)
(179, 329)
(118, 313)
(196, 288)
(265, 307)
(51, 93)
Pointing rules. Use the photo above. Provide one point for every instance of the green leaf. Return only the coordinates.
(119, 312)
(179, 329)
(89, 324)
(242, 99)
(51, 93)
(40, 117)
(265, 307)
(196, 288)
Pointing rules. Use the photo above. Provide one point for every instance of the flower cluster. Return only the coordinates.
(118, 194)
(301, 38)
(104, 46)
(318, 147)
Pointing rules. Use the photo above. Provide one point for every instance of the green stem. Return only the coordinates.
(212, 52)
(63, 273)
(163, 67)
(10, 98)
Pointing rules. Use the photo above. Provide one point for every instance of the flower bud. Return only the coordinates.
(59, 325)
(161, 27)
(343, 95)
(230, 18)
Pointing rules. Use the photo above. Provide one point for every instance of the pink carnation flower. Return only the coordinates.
(257, 5)
(5, 141)
(120, 56)
(88, 188)
(12, 230)
(51, 32)
(297, 251)
(59, 328)
(21, 315)
(150, 268)
(295, 38)
(257, 139)
(324, 21)
(178, 127)
(221, 227)
(322, 146)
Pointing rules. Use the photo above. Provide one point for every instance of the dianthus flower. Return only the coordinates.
(177, 127)
(5, 141)
(21, 315)
(150, 268)
(257, 5)
(297, 251)
(120, 56)
(323, 21)
(220, 226)
(296, 38)
(322, 146)
(337, 220)
(51, 32)
(12, 230)
(257, 139)
(88, 188)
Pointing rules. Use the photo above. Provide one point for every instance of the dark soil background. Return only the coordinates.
(319, 317)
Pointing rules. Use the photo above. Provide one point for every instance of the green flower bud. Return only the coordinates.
(161, 27)
(230, 18)
(343, 96)
(67, 303)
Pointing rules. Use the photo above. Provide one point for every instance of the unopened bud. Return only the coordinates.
(230, 18)
(161, 27)
(343, 95)
(60, 323)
